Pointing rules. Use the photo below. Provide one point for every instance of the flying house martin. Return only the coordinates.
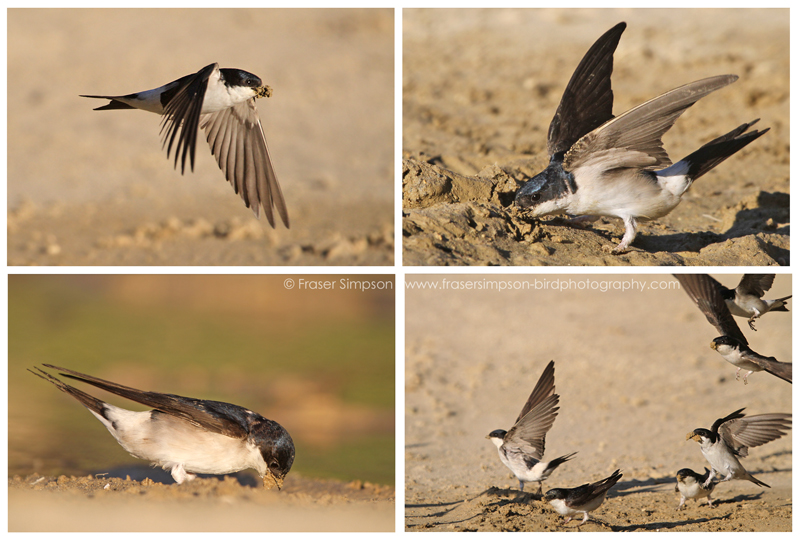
(187, 436)
(730, 438)
(746, 300)
(222, 102)
(582, 499)
(601, 165)
(732, 345)
(521, 449)
(690, 485)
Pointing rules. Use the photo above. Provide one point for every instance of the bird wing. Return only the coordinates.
(536, 417)
(238, 143)
(633, 139)
(545, 387)
(753, 431)
(770, 364)
(219, 417)
(587, 101)
(755, 284)
(584, 494)
(528, 434)
(705, 291)
(182, 114)
(731, 416)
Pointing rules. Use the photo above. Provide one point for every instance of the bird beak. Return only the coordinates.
(264, 91)
(713, 345)
(692, 436)
(278, 480)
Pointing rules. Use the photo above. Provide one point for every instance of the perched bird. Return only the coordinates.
(582, 499)
(746, 300)
(521, 449)
(601, 165)
(187, 436)
(690, 485)
(707, 293)
(222, 102)
(730, 438)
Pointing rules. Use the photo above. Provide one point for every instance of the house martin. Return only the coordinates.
(582, 499)
(521, 449)
(732, 345)
(187, 436)
(222, 102)
(730, 438)
(690, 485)
(601, 165)
(746, 299)
(745, 358)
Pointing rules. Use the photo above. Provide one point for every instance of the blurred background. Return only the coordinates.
(108, 195)
(320, 362)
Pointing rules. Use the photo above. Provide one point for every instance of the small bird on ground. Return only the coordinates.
(222, 102)
(187, 436)
(521, 449)
(730, 439)
(602, 165)
(582, 499)
(690, 485)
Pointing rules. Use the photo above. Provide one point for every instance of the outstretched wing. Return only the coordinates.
(238, 143)
(633, 139)
(705, 291)
(182, 115)
(753, 431)
(587, 101)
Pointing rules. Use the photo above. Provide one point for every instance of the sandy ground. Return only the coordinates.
(321, 363)
(88, 504)
(635, 374)
(480, 88)
(96, 188)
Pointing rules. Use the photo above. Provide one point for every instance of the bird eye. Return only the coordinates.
(536, 196)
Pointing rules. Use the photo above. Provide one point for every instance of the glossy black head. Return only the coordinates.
(276, 447)
(499, 433)
(238, 77)
(549, 185)
(556, 494)
(698, 435)
(725, 340)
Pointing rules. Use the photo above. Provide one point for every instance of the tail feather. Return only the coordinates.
(756, 481)
(555, 463)
(92, 403)
(111, 106)
(781, 370)
(718, 150)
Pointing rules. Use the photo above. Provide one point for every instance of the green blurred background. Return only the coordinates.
(321, 363)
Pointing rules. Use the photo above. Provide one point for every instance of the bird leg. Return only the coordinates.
(745, 376)
(627, 238)
(752, 321)
(711, 476)
(179, 474)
